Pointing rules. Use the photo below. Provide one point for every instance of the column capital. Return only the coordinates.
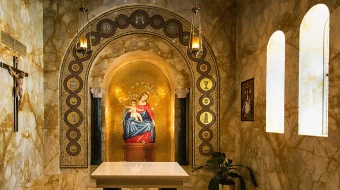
(97, 92)
(182, 92)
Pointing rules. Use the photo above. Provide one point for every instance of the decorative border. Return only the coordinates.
(105, 28)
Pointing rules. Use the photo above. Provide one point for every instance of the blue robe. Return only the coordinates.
(134, 128)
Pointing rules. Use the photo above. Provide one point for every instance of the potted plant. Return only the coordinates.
(225, 173)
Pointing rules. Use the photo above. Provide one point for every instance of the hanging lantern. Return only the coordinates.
(195, 42)
(84, 45)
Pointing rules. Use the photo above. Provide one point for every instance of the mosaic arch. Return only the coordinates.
(116, 23)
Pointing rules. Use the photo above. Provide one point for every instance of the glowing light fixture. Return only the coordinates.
(84, 45)
(195, 42)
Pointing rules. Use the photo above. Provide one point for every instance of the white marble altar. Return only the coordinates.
(139, 174)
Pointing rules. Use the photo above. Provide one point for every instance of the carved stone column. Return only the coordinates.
(96, 134)
(182, 94)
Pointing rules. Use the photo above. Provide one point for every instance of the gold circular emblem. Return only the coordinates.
(73, 101)
(206, 101)
(73, 149)
(73, 84)
(206, 117)
(203, 67)
(205, 134)
(73, 134)
(205, 149)
(206, 84)
(73, 117)
(75, 67)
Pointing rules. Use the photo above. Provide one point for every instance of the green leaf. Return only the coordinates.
(228, 163)
(252, 176)
(216, 154)
(221, 175)
(199, 167)
(251, 173)
(223, 169)
(213, 184)
(211, 162)
(223, 155)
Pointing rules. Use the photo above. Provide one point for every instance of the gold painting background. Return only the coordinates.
(127, 83)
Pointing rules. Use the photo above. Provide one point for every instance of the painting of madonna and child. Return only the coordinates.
(139, 118)
(138, 121)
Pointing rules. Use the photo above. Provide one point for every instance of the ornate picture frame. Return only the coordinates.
(247, 100)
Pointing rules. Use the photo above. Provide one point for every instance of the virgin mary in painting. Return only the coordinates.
(139, 130)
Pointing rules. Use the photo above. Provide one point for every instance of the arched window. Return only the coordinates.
(313, 72)
(275, 83)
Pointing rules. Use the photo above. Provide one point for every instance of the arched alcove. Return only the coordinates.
(124, 78)
(128, 83)
(112, 60)
(114, 25)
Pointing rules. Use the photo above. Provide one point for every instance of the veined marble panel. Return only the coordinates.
(289, 160)
(21, 153)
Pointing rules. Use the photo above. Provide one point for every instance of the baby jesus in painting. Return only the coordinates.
(133, 110)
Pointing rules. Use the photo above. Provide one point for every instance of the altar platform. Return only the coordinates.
(139, 175)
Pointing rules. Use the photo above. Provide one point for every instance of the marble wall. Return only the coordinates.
(21, 153)
(238, 34)
(284, 161)
(60, 24)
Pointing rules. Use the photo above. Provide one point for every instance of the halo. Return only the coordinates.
(146, 92)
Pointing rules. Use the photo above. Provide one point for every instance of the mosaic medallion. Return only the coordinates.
(206, 101)
(206, 118)
(186, 38)
(73, 101)
(106, 28)
(206, 134)
(75, 67)
(203, 67)
(206, 149)
(157, 21)
(73, 149)
(139, 19)
(73, 134)
(73, 117)
(94, 39)
(122, 21)
(73, 84)
(206, 84)
(172, 28)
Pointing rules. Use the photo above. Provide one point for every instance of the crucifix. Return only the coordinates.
(18, 79)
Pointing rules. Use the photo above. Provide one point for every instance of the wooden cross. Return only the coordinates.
(18, 77)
